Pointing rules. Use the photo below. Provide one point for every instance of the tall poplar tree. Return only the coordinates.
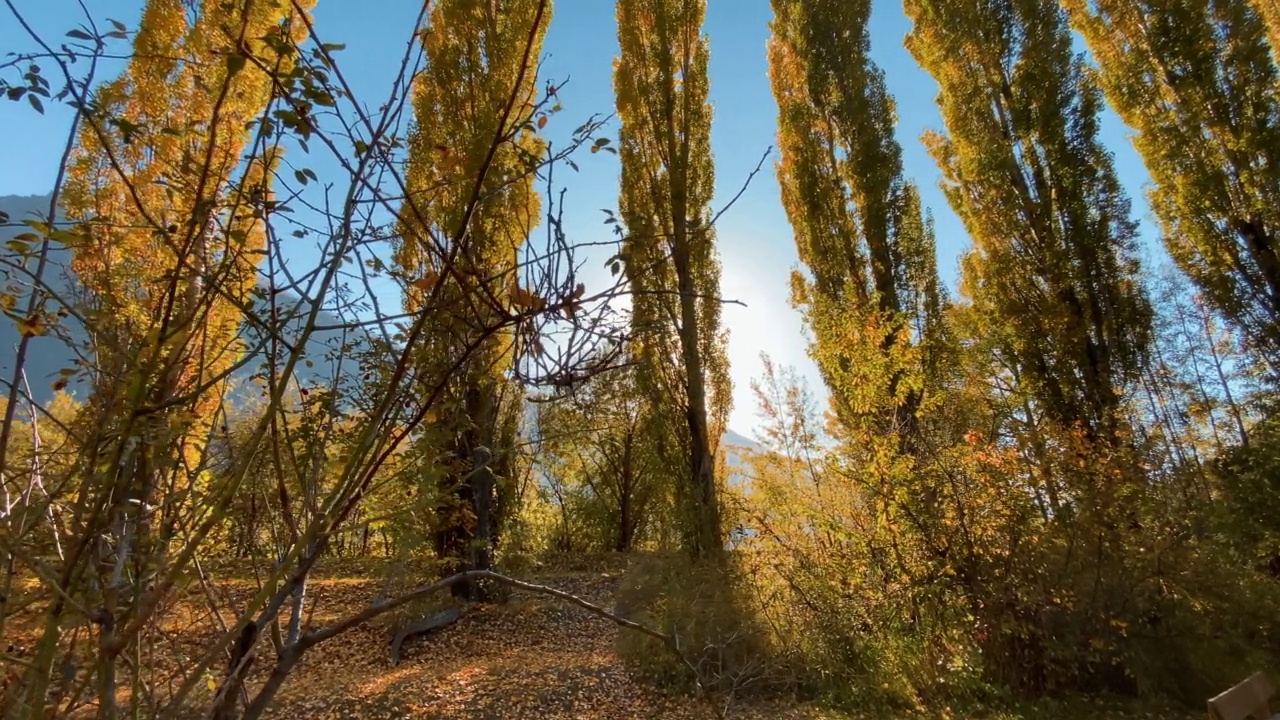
(1197, 83)
(1269, 10)
(167, 184)
(667, 182)
(471, 205)
(872, 296)
(1055, 256)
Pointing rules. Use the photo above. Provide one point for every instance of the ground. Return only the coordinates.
(531, 657)
(537, 657)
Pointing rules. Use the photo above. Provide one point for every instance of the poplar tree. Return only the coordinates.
(1055, 250)
(1197, 83)
(1269, 11)
(667, 182)
(872, 295)
(167, 185)
(471, 205)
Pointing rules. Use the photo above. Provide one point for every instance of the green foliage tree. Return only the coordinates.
(660, 79)
(1197, 83)
(1058, 301)
(874, 290)
(1055, 256)
(602, 467)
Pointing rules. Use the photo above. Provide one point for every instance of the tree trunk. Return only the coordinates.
(461, 544)
(705, 539)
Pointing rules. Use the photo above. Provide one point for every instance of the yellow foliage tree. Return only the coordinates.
(471, 206)
(168, 184)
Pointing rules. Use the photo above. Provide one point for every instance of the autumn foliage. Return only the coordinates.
(337, 372)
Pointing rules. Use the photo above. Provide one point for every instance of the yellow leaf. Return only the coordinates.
(31, 326)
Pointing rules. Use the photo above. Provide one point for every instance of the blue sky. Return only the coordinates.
(755, 241)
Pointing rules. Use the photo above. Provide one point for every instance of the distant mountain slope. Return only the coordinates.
(47, 355)
(736, 446)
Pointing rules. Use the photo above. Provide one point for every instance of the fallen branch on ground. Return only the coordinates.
(422, 627)
(292, 654)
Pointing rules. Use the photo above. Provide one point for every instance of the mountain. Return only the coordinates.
(736, 446)
(47, 355)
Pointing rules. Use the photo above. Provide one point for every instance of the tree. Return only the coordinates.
(1055, 256)
(1269, 12)
(661, 82)
(1197, 83)
(596, 450)
(1056, 299)
(338, 449)
(479, 85)
(167, 188)
(859, 230)
(162, 150)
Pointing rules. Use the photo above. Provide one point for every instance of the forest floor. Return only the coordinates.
(532, 657)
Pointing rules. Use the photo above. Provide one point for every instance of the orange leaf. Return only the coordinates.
(426, 282)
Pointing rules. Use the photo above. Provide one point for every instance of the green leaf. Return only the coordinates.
(35, 102)
(66, 237)
(79, 35)
(235, 63)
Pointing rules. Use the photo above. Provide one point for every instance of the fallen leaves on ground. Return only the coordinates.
(530, 657)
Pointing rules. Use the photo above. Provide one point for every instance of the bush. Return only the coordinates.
(726, 652)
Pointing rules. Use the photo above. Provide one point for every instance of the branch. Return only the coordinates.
(746, 184)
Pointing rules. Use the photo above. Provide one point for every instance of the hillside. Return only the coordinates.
(48, 355)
